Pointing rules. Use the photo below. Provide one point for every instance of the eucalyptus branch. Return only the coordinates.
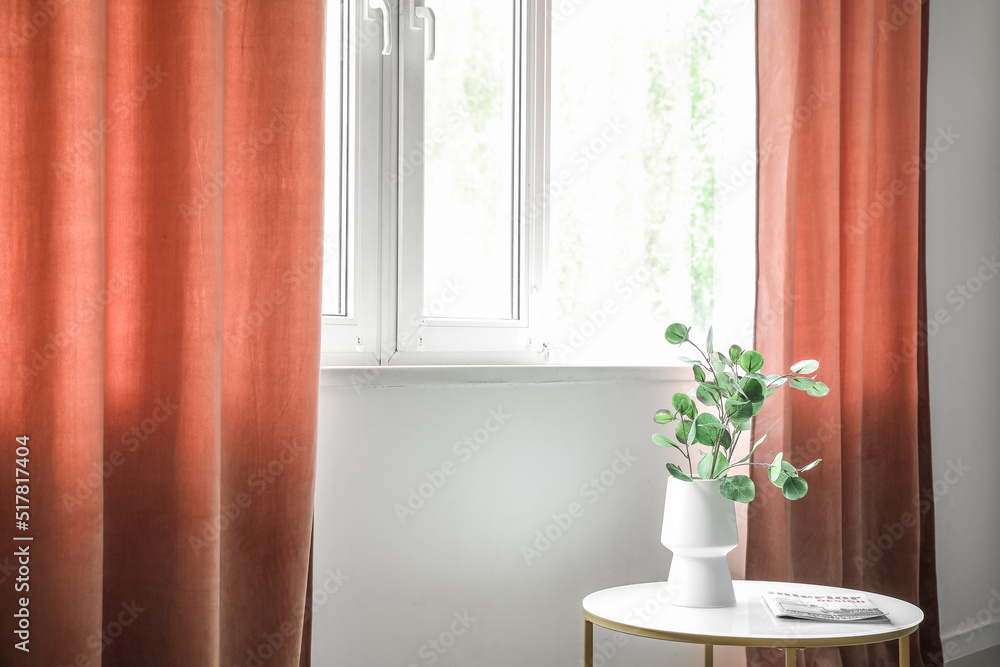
(723, 418)
(746, 463)
(780, 377)
(737, 402)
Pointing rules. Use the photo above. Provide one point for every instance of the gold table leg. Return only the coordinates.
(904, 651)
(789, 657)
(709, 658)
(588, 643)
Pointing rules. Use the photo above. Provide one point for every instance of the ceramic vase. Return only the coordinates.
(699, 528)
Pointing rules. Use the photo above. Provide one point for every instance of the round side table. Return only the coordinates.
(645, 610)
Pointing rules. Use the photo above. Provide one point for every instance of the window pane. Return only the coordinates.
(469, 235)
(651, 193)
(335, 227)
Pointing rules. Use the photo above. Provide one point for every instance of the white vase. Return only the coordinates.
(699, 527)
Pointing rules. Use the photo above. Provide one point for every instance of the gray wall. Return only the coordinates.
(963, 238)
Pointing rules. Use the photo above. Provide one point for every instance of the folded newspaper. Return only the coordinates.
(855, 607)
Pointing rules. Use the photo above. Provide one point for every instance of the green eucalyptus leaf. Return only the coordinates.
(676, 333)
(664, 441)
(734, 353)
(692, 435)
(805, 367)
(684, 405)
(708, 420)
(705, 468)
(676, 471)
(810, 466)
(739, 488)
(774, 469)
(739, 409)
(801, 383)
(718, 362)
(708, 343)
(780, 471)
(726, 440)
(775, 380)
(721, 464)
(751, 361)
(691, 361)
(708, 426)
(753, 389)
(664, 416)
(683, 431)
(699, 373)
(794, 488)
(728, 383)
(708, 394)
(818, 390)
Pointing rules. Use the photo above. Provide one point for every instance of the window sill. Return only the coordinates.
(412, 376)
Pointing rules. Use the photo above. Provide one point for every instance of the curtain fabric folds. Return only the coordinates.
(840, 279)
(161, 188)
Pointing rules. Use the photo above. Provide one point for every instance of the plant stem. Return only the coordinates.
(687, 454)
(790, 376)
(746, 463)
(723, 419)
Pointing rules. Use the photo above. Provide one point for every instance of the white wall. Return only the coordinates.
(402, 579)
(963, 238)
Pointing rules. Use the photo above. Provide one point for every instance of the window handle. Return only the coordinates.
(382, 6)
(425, 15)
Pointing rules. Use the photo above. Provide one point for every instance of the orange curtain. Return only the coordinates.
(840, 279)
(161, 189)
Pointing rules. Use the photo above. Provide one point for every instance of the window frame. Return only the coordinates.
(384, 245)
(440, 336)
(354, 338)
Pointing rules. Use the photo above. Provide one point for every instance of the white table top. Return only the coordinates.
(644, 609)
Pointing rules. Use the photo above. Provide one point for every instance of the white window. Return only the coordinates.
(536, 182)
